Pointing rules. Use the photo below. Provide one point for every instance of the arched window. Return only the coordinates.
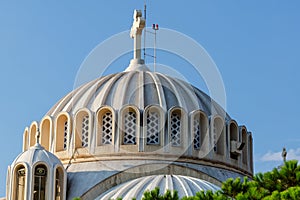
(199, 133)
(59, 184)
(245, 149)
(176, 127)
(85, 131)
(25, 140)
(20, 183)
(40, 180)
(233, 129)
(82, 128)
(250, 143)
(45, 133)
(62, 132)
(130, 127)
(33, 129)
(153, 129)
(106, 128)
(218, 136)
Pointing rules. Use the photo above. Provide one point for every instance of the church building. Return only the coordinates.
(124, 133)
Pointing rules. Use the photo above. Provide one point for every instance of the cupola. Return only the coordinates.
(36, 174)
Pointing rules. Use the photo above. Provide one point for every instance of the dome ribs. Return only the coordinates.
(73, 105)
(139, 100)
(189, 98)
(94, 90)
(104, 93)
(60, 105)
(139, 88)
(170, 92)
(151, 90)
(160, 95)
(121, 89)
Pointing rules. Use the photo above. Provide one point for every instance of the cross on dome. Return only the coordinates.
(136, 33)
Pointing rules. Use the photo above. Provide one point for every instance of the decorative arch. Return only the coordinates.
(177, 126)
(200, 135)
(250, 145)
(146, 170)
(105, 126)
(218, 135)
(153, 132)
(62, 132)
(59, 185)
(129, 128)
(243, 134)
(26, 139)
(46, 132)
(32, 133)
(19, 185)
(40, 185)
(8, 179)
(233, 132)
(83, 128)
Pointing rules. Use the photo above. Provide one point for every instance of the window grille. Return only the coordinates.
(196, 130)
(153, 128)
(107, 128)
(65, 135)
(175, 129)
(85, 131)
(130, 128)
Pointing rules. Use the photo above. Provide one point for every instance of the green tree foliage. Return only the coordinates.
(155, 195)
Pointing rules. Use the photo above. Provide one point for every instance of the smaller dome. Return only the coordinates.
(35, 154)
(184, 185)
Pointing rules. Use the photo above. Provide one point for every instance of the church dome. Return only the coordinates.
(127, 132)
(184, 185)
(140, 88)
(37, 154)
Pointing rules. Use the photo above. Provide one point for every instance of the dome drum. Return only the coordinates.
(153, 132)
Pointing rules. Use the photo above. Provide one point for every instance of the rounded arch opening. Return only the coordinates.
(40, 175)
(245, 148)
(25, 139)
(32, 133)
(105, 126)
(19, 182)
(176, 126)
(59, 189)
(218, 136)
(233, 139)
(130, 123)
(83, 128)
(62, 132)
(46, 128)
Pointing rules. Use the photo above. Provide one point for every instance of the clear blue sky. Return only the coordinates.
(255, 44)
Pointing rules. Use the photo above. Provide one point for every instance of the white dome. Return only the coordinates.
(140, 88)
(36, 154)
(184, 185)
